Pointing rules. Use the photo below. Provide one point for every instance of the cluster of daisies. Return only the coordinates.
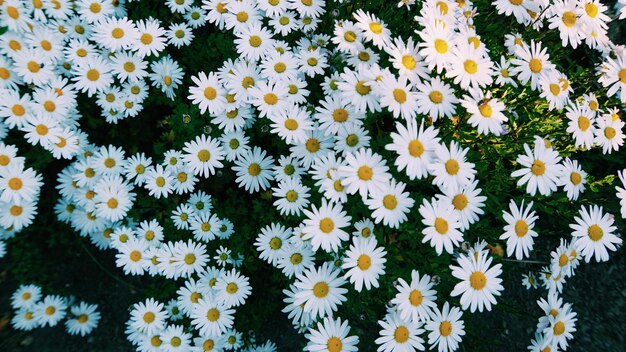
(19, 193)
(34, 310)
(55, 50)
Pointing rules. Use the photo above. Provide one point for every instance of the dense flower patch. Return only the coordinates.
(409, 162)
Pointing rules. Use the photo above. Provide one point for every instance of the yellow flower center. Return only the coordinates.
(470, 66)
(15, 183)
(390, 201)
(376, 28)
(445, 328)
(362, 89)
(365, 173)
(478, 280)
(436, 97)
(93, 75)
(320, 289)
(575, 178)
(401, 334)
(364, 262)
(569, 19)
(595, 233)
(583, 123)
(416, 298)
(312, 145)
(334, 344)
(559, 328)
(399, 95)
(255, 41)
(521, 228)
(486, 110)
(213, 314)
(327, 225)
(441, 46)
(535, 65)
(459, 201)
(441, 226)
(270, 99)
(452, 167)
(276, 243)
(610, 132)
(538, 168)
(409, 62)
(254, 169)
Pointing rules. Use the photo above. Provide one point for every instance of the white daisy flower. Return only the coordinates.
(594, 233)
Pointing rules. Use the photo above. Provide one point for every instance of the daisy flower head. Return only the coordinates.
(208, 93)
(540, 170)
(271, 242)
(560, 328)
(159, 181)
(269, 97)
(531, 62)
(203, 155)
(529, 280)
(390, 204)
(324, 226)
(253, 41)
(85, 319)
(573, 178)
(374, 30)
(555, 88)
(442, 225)
(50, 311)
(397, 97)
(331, 335)
(398, 334)
(415, 301)
(188, 258)
(364, 263)
(436, 45)
(116, 33)
(18, 184)
(519, 231)
(320, 290)
(581, 124)
(364, 172)
(355, 89)
(232, 289)
(415, 148)
(211, 318)
(565, 18)
(405, 57)
(561, 263)
(445, 328)
(25, 296)
(348, 37)
(131, 256)
(485, 112)
(503, 73)
(293, 196)
(450, 167)
(291, 124)
(151, 38)
(93, 75)
(608, 134)
(467, 201)
(335, 114)
(470, 67)
(594, 234)
(614, 77)
(436, 99)
(479, 281)
(254, 170)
